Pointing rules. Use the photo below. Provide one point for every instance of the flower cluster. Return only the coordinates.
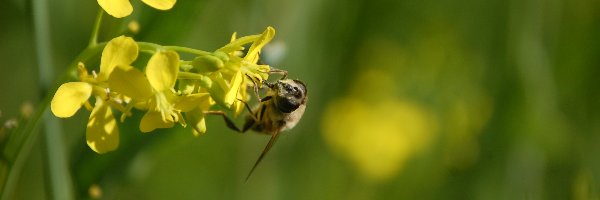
(169, 90)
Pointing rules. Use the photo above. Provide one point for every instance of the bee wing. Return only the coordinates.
(264, 152)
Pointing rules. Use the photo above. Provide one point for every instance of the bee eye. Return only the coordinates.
(297, 93)
(287, 105)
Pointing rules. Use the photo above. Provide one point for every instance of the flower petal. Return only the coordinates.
(153, 120)
(222, 92)
(116, 8)
(235, 84)
(254, 51)
(189, 102)
(121, 50)
(196, 117)
(130, 82)
(160, 4)
(162, 70)
(238, 106)
(102, 133)
(69, 97)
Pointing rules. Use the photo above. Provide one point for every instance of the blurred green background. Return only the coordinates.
(446, 99)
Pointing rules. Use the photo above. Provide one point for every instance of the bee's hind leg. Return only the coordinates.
(252, 114)
(253, 117)
(228, 121)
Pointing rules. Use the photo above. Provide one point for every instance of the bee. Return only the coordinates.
(279, 111)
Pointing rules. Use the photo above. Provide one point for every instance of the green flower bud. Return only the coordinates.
(207, 63)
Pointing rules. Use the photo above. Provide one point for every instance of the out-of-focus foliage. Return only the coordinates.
(407, 100)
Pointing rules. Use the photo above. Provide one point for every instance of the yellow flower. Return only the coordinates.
(154, 90)
(123, 8)
(230, 71)
(102, 134)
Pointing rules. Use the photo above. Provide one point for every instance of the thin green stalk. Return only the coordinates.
(204, 80)
(58, 178)
(148, 46)
(96, 29)
(187, 50)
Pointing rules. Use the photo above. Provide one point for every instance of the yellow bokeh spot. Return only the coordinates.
(133, 26)
(378, 132)
(377, 137)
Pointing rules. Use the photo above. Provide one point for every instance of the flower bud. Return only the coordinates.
(207, 63)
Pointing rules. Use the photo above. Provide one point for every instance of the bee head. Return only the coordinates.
(290, 94)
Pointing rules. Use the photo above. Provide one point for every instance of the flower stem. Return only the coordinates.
(96, 29)
(187, 50)
(204, 80)
(58, 181)
(148, 46)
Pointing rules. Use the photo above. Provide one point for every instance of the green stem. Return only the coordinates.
(58, 178)
(204, 80)
(148, 46)
(188, 50)
(28, 129)
(96, 29)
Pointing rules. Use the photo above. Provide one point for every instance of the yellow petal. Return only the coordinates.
(121, 50)
(187, 86)
(116, 8)
(235, 84)
(153, 120)
(196, 117)
(233, 37)
(254, 51)
(102, 133)
(238, 106)
(236, 45)
(69, 97)
(162, 70)
(160, 4)
(189, 102)
(130, 82)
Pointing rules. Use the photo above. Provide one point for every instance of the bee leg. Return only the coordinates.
(228, 121)
(256, 90)
(255, 86)
(279, 71)
(252, 115)
(251, 120)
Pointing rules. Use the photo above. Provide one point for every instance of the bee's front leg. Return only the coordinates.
(279, 71)
(256, 90)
